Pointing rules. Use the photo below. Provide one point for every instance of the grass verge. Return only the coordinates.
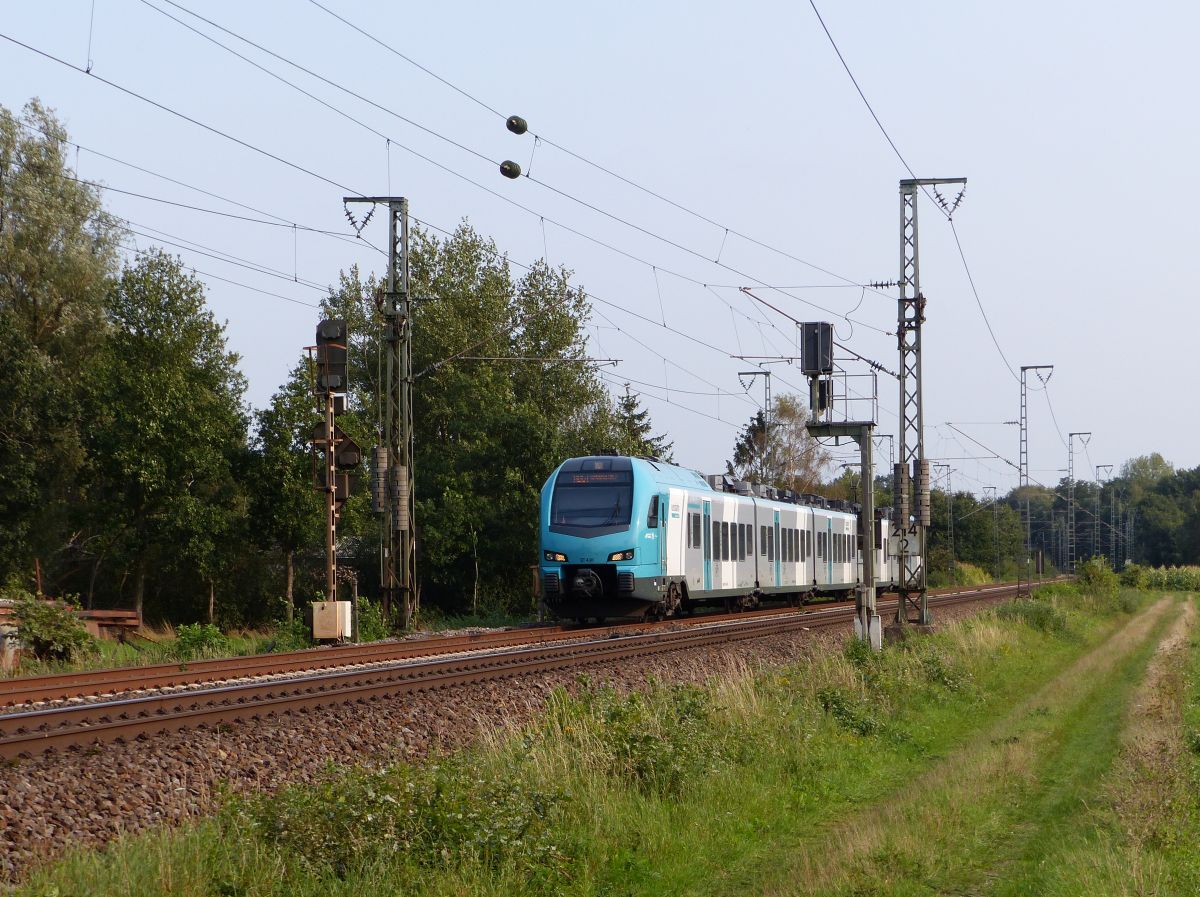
(682, 789)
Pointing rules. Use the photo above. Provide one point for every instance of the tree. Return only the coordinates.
(789, 459)
(167, 425)
(57, 256)
(285, 508)
(634, 430)
(490, 424)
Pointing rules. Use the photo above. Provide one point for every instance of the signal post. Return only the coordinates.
(817, 364)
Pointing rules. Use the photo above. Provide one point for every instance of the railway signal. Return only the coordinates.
(340, 453)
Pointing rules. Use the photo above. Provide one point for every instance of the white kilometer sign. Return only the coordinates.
(901, 544)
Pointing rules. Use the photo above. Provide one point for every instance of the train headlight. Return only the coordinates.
(626, 555)
(556, 556)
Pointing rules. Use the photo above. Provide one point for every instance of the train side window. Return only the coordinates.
(652, 517)
(741, 533)
(762, 541)
(791, 546)
(795, 545)
(716, 540)
(770, 545)
(783, 545)
(724, 541)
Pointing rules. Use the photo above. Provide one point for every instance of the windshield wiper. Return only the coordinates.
(612, 518)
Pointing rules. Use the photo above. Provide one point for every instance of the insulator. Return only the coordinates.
(510, 169)
(399, 477)
(900, 496)
(921, 475)
(516, 124)
(379, 458)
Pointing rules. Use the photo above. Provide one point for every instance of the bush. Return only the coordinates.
(194, 640)
(1133, 576)
(658, 741)
(1036, 613)
(1096, 577)
(51, 630)
(429, 815)
(1056, 590)
(852, 713)
(292, 636)
(372, 626)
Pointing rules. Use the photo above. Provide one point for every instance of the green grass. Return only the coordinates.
(161, 647)
(676, 789)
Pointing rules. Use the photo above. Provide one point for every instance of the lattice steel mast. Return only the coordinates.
(393, 464)
(911, 314)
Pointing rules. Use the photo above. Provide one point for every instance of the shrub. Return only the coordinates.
(194, 640)
(657, 741)
(1096, 577)
(1133, 576)
(971, 575)
(50, 630)
(372, 626)
(1035, 613)
(942, 670)
(852, 713)
(1056, 590)
(428, 815)
(295, 635)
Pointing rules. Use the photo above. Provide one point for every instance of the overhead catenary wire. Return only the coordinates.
(175, 112)
(281, 220)
(562, 193)
(294, 166)
(329, 180)
(942, 207)
(542, 138)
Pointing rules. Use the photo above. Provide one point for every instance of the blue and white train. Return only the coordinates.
(625, 536)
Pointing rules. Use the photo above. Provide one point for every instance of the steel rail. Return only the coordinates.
(63, 686)
(90, 683)
(58, 728)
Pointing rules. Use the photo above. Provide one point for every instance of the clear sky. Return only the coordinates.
(1072, 121)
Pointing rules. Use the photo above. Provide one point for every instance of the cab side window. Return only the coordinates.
(652, 517)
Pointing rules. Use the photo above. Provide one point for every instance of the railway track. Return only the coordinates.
(510, 653)
(66, 686)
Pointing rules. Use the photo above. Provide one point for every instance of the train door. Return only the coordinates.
(708, 546)
(778, 552)
(664, 516)
(829, 550)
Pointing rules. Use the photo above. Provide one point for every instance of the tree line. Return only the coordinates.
(134, 473)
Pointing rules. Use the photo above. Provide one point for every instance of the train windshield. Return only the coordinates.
(593, 499)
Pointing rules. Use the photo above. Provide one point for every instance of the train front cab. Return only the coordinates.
(605, 524)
